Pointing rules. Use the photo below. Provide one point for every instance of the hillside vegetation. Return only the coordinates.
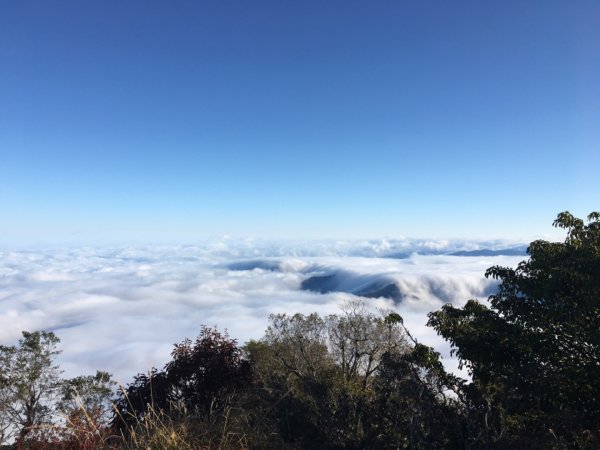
(352, 380)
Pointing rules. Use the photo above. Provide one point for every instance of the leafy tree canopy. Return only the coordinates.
(199, 380)
(534, 352)
(29, 383)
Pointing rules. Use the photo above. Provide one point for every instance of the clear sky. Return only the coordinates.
(148, 120)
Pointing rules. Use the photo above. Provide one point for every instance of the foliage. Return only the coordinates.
(299, 344)
(534, 353)
(200, 380)
(86, 403)
(162, 431)
(316, 374)
(415, 402)
(358, 340)
(91, 394)
(29, 384)
(352, 380)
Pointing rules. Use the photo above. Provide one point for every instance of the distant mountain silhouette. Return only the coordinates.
(390, 290)
(354, 284)
(321, 283)
(514, 251)
(324, 280)
(264, 264)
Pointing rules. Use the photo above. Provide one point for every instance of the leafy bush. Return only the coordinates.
(203, 380)
(534, 354)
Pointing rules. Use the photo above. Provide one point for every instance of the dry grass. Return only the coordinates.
(156, 430)
(233, 427)
(159, 431)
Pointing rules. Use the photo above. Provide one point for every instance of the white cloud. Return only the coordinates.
(121, 309)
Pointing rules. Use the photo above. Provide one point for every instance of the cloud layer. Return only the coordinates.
(121, 309)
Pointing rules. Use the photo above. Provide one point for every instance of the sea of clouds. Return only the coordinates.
(121, 309)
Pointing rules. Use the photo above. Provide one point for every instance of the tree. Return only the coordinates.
(29, 383)
(299, 343)
(294, 372)
(316, 374)
(354, 341)
(534, 352)
(358, 339)
(415, 406)
(200, 380)
(86, 401)
(203, 373)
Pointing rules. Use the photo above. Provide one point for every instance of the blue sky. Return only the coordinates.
(151, 121)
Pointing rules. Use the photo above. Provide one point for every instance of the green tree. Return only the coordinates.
(88, 397)
(358, 339)
(202, 379)
(29, 383)
(416, 402)
(299, 344)
(534, 352)
(316, 374)
(415, 405)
